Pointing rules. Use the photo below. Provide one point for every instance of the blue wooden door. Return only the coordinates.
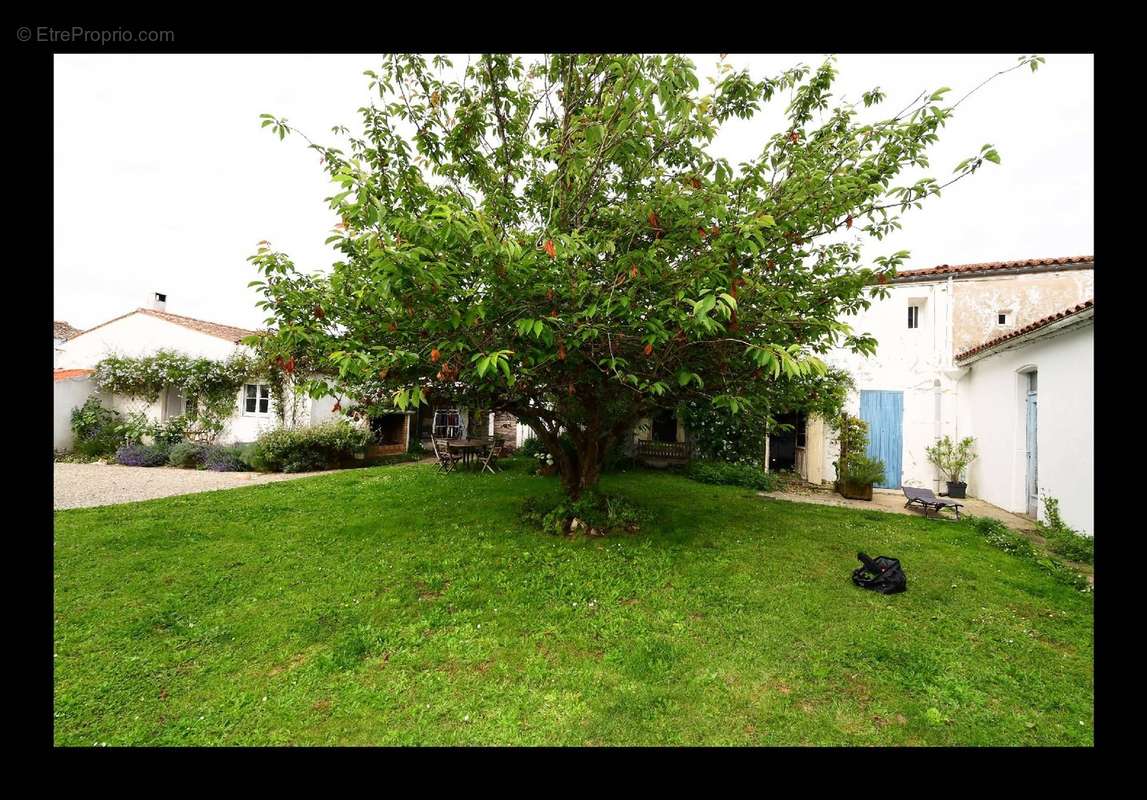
(884, 413)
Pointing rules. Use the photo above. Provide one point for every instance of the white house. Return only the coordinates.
(936, 373)
(1029, 397)
(146, 330)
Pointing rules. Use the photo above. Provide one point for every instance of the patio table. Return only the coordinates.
(468, 447)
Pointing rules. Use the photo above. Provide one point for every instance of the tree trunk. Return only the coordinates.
(581, 469)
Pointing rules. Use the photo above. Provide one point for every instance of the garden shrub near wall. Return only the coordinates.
(225, 458)
(722, 472)
(318, 447)
(142, 455)
(95, 429)
(188, 455)
(1063, 539)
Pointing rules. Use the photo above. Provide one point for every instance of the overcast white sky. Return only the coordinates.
(164, 180)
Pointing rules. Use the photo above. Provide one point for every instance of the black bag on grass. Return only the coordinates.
(881, 574)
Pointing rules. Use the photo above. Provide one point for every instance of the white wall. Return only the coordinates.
(139, 335)
(913, 361)
(67, 394)
(992, 395)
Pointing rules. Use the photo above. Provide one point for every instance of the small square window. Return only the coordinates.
(913, 316)
(257, 398)
(1004, 318)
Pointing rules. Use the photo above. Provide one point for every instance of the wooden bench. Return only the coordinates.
(679, 452)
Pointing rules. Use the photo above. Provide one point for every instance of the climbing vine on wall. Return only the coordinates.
(214, 385)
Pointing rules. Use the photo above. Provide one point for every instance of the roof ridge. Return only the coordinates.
(230, 333)
(1029, 328)
(988, 266)
(161, 314)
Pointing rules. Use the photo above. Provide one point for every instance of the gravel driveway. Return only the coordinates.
(82, 485)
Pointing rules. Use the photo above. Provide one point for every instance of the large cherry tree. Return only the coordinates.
(558, 239)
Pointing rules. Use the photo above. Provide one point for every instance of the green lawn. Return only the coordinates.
(396, 606)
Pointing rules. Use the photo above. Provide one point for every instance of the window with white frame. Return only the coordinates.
(914, 315)
(256, 399)
(190, 406)
(1004, 319)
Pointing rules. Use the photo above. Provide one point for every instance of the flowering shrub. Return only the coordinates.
(306, 449)
(214, 384)
(142, 455)
(225, 459)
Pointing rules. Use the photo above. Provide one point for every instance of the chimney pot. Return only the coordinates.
(159, 303)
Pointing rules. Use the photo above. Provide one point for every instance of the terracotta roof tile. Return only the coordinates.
(228, 332)
(1039, 323)
(63, 330)
(991, 266)
(63, 374)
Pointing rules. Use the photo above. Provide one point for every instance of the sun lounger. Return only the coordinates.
(928, 501)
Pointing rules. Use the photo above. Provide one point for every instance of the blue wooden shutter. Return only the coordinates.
(884, 413)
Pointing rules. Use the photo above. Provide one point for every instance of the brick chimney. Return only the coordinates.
(159, 302)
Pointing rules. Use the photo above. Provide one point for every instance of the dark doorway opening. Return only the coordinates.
(783, 443)
(389, 428)
(665, 426)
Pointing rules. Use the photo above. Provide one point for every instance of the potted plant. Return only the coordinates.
(860, 473)
(953, 458)
(856, 472)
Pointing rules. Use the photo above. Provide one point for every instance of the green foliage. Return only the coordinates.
(718, 434)
(133, 426)
(593, 513)
(617, 459)
(307, 449)
(134, 454)
(532, 447)
(557, 239)
(1063, 539)
(188, 455)
(854, 465)
(852, 433)
(1000, 536)
(864, 470)
(732, 474)
(95, 429)
(214, 385)
(225, 458)
(175, 430)
(952, 457)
